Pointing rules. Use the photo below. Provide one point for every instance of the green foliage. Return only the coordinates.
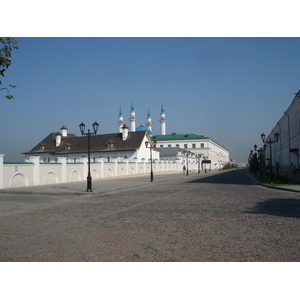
(278, 180)
(9, 44)
(230, 166)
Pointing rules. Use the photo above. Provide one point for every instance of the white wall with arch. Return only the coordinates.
(36, 172)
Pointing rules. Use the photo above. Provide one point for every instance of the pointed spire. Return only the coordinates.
(162, 108)
(149, 115)
(132, 105)
(120, 111)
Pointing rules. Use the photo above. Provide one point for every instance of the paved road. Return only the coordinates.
(208, 217)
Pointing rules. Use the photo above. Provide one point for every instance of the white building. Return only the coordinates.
(286, 150)
(213, 156)
(122, 146)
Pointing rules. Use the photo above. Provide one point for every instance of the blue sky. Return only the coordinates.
(229, 89)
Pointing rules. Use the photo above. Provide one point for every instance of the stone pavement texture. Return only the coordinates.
(209, 217)
(98, 185)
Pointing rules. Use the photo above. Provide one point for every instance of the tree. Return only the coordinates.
(5, 60)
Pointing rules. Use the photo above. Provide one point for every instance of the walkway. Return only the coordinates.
(98, 185)
(212, 217)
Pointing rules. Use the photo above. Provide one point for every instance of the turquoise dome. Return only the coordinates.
(144, 128)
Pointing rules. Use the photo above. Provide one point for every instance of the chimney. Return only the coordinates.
(58, 139)
(124, 132)
(64, 131)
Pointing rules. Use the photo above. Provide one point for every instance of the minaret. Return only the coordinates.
(163, 120)
(149, 121)
(132, 118)
(121, 121)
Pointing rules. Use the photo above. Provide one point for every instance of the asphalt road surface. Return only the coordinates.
(212, 217)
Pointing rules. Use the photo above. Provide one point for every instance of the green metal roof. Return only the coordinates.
(175, 136)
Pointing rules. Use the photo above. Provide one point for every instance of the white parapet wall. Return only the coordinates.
(35, 172)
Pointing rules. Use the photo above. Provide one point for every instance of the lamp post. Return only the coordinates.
(88, 134)
(250, 160)
(260, 161)
(198, 155)
(151, 147)
(187, 161)
(270, 142)
(255, 160)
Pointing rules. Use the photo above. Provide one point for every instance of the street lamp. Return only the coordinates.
(151, 147)
(255, 162)
(260, 152)
(95, 128)
(187, 161)
(270, 142)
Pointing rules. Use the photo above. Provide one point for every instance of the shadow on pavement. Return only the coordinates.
(278, 207)
(240, 176)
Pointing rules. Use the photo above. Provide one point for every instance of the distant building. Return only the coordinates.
(213, 156)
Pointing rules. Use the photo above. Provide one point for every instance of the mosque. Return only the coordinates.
(172, 146)
(148, 126)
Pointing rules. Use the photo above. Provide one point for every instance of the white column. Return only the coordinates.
(84, 159)
(36, 170)
(63, 161)
(1, 171)
(127, 166)
(115, 161)
(101, 160)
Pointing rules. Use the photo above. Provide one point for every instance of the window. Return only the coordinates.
(110, 144)
(185, 146)
(177, 145)
(42, 146)
(193, 145)
(169, 145)
(68, 146)
(161, 146)
(202, 145)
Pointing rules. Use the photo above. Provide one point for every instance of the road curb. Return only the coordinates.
(274, 187)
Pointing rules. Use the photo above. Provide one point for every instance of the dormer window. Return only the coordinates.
(68, 146)
(110, 143)
(42, 146)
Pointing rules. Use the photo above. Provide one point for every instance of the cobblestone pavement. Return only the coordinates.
(211, 217)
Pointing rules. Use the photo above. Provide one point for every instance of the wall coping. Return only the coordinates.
(18, 163)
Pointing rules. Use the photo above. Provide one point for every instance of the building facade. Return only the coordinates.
(285, 152)
(212, 155)
(121, 146)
